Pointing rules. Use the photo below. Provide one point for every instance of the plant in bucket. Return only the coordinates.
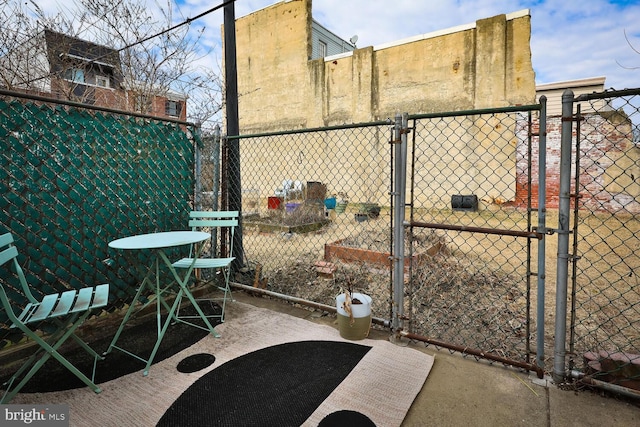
(354, 315)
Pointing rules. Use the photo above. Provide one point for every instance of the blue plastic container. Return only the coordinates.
(330, 203)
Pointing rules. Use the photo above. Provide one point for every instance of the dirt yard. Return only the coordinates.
(470, 281)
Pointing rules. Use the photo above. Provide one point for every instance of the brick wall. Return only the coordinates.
(609, 165)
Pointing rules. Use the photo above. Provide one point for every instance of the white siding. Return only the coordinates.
(27, 66)
(334, 44)
(554, 91)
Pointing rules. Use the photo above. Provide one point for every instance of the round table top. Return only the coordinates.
(163, 239)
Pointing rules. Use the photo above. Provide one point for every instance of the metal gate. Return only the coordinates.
(476, 225)
(599, 255)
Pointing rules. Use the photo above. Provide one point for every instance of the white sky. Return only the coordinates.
(571, 39)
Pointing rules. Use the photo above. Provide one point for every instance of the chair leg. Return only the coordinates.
(227, 295)
(50, 348)
(226, 273)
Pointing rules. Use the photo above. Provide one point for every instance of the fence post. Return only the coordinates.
(197, 198)
(564, 207)
(234, 179)
(399, 196)
(215, 188)
(542, 228)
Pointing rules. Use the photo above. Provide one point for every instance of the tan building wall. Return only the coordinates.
(483, 64)
(479, 65)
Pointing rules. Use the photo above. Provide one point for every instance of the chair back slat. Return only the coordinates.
(6, 239)
(216, 220)
(214, 214)
(8, 254)
(195, 223)
(11, 254)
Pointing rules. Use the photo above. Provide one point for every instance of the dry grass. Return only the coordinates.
(303, 214)
(474, 291)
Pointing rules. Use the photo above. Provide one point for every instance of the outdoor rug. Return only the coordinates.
(138, 338)
(267, 369)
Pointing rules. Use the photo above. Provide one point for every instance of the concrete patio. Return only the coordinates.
(464, 392)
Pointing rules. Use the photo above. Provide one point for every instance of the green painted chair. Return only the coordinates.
(57, 314)
(213, 221)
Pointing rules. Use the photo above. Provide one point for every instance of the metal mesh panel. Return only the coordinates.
(605, 331)
(470, 240)
(74, 179)
(468, 170)
(307, 198)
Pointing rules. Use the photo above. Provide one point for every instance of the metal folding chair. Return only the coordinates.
(213, 221)
(58, 314)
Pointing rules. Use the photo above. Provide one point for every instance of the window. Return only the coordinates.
(143, 103)
(75, 75)
(172, 108)
(322, 48)
(102, 81)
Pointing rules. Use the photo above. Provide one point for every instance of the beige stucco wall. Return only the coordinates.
(485, 64)
(272, 47)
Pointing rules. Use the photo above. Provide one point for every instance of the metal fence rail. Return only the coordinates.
(74, 178)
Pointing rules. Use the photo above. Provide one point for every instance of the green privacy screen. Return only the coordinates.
(72, 180)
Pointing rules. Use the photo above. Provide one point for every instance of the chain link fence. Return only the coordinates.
(75, 178)
(472, 237)
(317, 216)
(315, 209)
(604, 333)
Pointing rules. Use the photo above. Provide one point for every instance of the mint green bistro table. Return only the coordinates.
(159, 242)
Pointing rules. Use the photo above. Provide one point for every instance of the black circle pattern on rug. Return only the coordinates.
(346, 418)
(276, 386)
(195, 363)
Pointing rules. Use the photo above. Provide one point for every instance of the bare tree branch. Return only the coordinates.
(157, 57)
